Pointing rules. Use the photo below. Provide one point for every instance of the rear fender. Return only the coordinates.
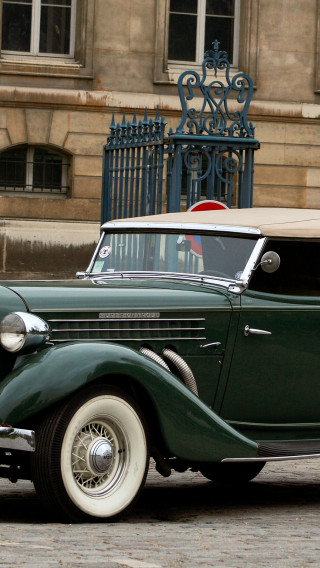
(191, 430)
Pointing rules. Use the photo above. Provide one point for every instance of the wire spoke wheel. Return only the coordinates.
(98, 456)
(92, 455)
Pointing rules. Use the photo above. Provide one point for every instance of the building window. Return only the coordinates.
(195, 24)
(185, 29)
(38, 27)
(33, 170)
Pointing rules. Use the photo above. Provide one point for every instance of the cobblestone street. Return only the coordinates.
(184, 520)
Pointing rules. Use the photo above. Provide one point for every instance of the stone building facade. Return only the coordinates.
(77, 64)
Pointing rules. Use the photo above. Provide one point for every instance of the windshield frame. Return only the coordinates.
(178, 228)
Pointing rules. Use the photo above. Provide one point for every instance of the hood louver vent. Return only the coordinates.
(120, 329)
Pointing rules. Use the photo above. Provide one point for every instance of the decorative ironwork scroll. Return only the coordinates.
(217, 168)
(215, 117)
(209, 156)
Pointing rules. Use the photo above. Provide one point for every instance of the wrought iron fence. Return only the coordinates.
(209, 156)
(133, 165)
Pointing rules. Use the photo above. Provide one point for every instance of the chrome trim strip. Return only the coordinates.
(138, 329)
(111, 225)
(17, 439)
(273, 426)
(125, 319)
(265, 459)
(252, 261)
(111, 339)
(95, 252)
(84, 310)
(99, 277)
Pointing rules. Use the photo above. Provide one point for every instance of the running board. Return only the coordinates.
(272, 459)
(280, 451)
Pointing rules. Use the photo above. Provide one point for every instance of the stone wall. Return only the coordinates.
(287, 167)
(45, 250)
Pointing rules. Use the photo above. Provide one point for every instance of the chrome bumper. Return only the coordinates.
(17, 439)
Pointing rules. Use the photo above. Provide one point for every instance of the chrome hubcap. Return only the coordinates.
(101, 456)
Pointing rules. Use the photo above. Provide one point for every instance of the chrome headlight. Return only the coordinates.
(22, 331)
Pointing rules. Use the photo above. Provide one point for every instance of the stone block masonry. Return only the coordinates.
(46, 249)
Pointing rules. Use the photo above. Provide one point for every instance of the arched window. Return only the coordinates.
(33, 170)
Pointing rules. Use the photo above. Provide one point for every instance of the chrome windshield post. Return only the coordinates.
(255, 255)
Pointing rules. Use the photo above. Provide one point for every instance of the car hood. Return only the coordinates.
(10, 301)
(117, 295)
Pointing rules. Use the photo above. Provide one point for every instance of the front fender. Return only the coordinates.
(190, 429)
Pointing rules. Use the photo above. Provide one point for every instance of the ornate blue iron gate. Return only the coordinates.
(133, 163)
(210, 156)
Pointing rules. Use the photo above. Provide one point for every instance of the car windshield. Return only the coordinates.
(207, 254)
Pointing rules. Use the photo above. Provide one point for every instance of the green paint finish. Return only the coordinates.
(207, 369)
(10, 302)
(86, 301)
(278, 433)
(190, 429)
(117, 295)
(275, 378)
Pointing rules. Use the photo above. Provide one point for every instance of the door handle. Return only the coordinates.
(215, 344)
(249, 330)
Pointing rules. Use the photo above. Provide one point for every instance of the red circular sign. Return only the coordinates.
(207, 205)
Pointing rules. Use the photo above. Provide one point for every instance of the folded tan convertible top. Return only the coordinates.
(282, 222)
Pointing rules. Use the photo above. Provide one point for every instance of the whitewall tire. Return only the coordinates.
(92, 455)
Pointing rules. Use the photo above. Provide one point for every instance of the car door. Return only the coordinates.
(275, 372)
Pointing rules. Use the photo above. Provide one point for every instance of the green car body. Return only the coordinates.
(220, 371)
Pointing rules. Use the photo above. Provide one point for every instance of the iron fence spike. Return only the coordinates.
(134, 120)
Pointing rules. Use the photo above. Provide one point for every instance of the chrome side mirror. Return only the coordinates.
(270, 262)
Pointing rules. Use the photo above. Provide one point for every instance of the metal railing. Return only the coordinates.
(133, 168)
(209, 156)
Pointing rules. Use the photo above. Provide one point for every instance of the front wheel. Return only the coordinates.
(92, 455)
(228, 473)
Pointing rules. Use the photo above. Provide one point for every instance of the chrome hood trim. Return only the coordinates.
(98, 277)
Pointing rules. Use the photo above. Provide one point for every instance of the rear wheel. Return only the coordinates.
(232, 473)
(91, 456)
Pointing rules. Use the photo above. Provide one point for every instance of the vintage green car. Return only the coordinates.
(192, 338)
